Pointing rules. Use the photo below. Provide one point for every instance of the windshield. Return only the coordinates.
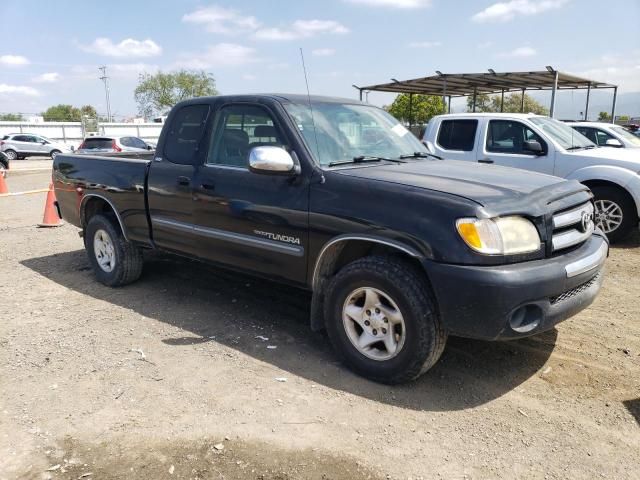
(563, 134)
(344, 132)
(626, 135)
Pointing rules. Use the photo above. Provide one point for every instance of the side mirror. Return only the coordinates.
(149, 147)
(271, 160)
(533, 146)
(613, 142)
(43, 142)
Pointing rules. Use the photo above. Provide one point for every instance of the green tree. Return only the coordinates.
(604, 117)
(158, 93)
(512, 103)
(10, 117)
(68, 113)
(423, 107)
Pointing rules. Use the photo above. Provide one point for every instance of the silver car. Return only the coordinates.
(21, 145)
(607, 134)
(107, 144)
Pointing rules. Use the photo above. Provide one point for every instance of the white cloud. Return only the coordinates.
(50, 77)
(505, 11)
(219, 55)
(301, 29)
(424, 44)
(619, 69)
(519, 52)
(484, 45)
(18, 90)
(323, 52)
(222, 20)
(14, 60)
(394, 3)
(248, 77)
(128, 47)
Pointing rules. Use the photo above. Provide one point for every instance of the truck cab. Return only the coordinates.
(544, 145)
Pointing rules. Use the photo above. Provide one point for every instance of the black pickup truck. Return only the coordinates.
(399, 248)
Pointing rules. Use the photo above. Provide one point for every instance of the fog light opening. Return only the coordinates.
(526, 318)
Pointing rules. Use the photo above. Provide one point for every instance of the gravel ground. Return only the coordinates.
(170, 378)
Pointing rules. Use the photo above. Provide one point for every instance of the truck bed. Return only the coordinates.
(119, 179)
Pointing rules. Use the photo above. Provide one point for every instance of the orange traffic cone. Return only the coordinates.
(3, 185)
(50, 218)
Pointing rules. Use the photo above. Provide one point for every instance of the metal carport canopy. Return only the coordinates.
(472, 84)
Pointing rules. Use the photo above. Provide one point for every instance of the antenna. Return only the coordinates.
(313, 122)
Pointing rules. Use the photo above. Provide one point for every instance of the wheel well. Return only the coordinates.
(605, 183)
(337, 256)
(94, 206)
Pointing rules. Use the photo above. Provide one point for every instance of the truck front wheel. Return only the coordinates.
(115, 261)
(382, 321)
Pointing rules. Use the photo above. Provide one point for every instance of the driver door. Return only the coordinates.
(505, 145)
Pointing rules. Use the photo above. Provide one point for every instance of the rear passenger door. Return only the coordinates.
(504, 144)
(251, 221)
(456, 139)
(171, 177)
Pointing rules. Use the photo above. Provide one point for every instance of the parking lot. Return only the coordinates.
(194, 372)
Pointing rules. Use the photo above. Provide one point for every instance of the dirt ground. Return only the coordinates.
(168, 378)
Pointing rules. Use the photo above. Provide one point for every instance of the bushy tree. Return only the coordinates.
(604, 117)
(68, 113)
(10, 117)
(512, 102)
(155, 94)
(423, 107)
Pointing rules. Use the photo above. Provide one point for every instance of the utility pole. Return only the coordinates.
(105, 79)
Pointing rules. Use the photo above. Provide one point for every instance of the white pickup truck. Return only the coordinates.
(541, 144)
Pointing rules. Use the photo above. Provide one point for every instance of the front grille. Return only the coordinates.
(572, 226)
(574, 291)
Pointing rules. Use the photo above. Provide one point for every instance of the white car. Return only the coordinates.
(21, 145)
(607, 134)
(542, 144)
(107, 144)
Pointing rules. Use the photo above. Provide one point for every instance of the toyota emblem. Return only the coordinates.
(586, 221)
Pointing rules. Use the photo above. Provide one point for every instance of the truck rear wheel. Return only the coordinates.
(382, 321)
(615, 212)
(115, 261)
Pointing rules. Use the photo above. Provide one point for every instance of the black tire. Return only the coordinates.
(11, 154)
(626, 204)
(54, 153)
(425, 338)
(128, 263)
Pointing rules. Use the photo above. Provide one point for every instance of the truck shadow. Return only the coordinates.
(214, 305)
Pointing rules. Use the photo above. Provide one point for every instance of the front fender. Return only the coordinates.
(623, 177)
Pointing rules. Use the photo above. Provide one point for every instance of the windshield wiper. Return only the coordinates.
(420, 155)
(364, 159)
(575, 147)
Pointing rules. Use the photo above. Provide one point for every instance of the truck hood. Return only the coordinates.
(484, 184)
(620, 157)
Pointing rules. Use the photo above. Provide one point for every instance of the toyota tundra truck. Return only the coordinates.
(399, 249)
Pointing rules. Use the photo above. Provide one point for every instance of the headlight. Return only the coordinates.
(499, 236)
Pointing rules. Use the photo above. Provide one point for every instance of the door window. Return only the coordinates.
(602, 137)
(186, 135)
(239, 129)
(458, 134)
(138, 143)
(21, 138)
(508, 136)
(126, 141)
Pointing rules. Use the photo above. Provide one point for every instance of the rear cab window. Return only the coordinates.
(186, 133)
(97, 143)
(458, 134)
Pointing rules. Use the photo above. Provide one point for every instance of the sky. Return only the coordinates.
(254, 46)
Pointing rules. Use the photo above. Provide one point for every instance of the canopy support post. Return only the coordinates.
(552, 110)
(522, 101)
(502, 101)
(475, 94)
(449, 105)
(613, 107)
(586, 108)
(410, 109)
